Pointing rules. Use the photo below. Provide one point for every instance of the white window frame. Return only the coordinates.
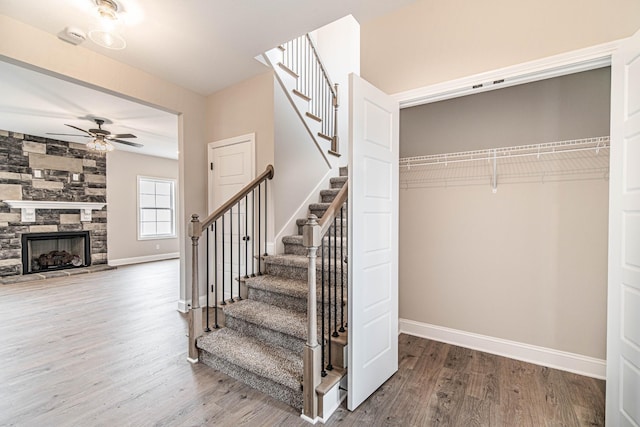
(170, 181)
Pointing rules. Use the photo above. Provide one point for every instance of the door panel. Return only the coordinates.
(231, 168)
(623, 323)
(373, 220)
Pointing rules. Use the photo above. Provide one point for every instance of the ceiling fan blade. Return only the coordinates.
(133, 144)
(68, 134)
(77, 128)
(121, 135)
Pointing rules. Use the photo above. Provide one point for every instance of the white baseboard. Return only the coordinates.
(146, 258)
(183, 305)
(333, 399)
(571, 362)
(310, 420)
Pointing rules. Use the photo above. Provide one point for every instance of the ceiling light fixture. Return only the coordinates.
(107, 34)
(100, 144)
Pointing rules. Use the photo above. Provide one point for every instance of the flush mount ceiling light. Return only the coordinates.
(108, 24)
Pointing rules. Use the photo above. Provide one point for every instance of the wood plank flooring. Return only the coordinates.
(109, 348)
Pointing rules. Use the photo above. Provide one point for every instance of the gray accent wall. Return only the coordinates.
(562, 108)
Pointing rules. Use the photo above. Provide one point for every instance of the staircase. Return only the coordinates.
(264, 333)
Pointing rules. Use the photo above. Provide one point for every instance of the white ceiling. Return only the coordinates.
(37, 104)
(202, 45)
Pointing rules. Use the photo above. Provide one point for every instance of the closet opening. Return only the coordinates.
(504, 218)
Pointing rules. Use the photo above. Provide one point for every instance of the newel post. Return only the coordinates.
(195, 312)
(335, 142)
(312, 352)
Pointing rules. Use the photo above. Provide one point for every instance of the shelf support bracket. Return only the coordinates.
(494, 178)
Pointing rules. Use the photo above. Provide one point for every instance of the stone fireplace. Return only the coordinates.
(50, 187)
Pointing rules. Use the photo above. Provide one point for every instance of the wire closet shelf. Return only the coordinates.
(576, 159)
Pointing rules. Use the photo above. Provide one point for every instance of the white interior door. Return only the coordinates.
(373, 252)
(623, 323)
(231, 167)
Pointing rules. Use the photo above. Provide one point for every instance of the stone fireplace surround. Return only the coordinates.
(46, 170)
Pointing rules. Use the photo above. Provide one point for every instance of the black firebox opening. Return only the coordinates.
(55, 251)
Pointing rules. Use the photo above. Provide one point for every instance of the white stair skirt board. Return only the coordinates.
(565, 361)
(183, 305)
(331, 401)
(141, 259)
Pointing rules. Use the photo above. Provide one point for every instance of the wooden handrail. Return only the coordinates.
(327, 219)
(267, 174)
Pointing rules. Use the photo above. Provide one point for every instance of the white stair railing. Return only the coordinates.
(301, 56)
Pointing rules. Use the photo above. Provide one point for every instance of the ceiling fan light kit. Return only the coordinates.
(99, 144)
(102, 138)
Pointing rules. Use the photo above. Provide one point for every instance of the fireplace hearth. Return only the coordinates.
(55, 251)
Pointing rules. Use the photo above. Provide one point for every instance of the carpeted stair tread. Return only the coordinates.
(338, 181)
(277, 364)
(269, 316)
(296, 239)
(329, 195)
(302, 221)
(279, 285)
(282, 285)
(289, 260)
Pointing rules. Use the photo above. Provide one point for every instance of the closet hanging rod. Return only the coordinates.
(585, 144)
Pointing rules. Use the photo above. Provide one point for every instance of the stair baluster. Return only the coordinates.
(207, 328)
(239, 249)
(265, 219)
(259, 235)
(328, 306)
(246, 236)
(195, 228)
(223, 302)
(301, 57)
(253, 234)
(322, 305)
(215, 275)
(335, 280)
(342, 263)
(230, 254)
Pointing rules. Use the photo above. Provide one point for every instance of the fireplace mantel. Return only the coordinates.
(29, 207)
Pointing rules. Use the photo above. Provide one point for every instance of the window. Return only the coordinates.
(156, 208)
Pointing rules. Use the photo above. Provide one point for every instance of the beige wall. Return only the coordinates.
(527, 264)
(568, 107)
(246, 107)
(28, 46)
(123, 169)
(429, 42)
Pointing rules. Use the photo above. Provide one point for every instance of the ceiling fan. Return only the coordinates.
(102, 138)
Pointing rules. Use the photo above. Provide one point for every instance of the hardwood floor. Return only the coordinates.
(109, 348)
